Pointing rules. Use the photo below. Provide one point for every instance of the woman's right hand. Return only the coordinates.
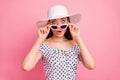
(43, 32)
(32, 56)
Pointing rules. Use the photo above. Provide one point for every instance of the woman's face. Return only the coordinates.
(59, 26)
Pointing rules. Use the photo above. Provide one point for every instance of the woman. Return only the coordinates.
(59, 45)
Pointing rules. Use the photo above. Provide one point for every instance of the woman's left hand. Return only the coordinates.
(75, 31)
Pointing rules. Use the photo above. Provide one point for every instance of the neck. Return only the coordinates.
(58, 39)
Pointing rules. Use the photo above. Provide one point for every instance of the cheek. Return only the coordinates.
(53, 31)
(64, 31)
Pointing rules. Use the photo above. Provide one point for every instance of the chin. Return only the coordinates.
(59, 36)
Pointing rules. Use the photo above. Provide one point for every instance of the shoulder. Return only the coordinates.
(72, 42)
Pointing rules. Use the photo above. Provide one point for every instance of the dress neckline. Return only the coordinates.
(59, 49)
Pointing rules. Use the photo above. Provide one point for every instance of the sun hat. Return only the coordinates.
(59, 11)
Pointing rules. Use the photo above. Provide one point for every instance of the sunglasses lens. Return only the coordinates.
(63, 26)
(54, 27)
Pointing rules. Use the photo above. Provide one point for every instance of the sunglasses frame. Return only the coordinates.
(59, 26)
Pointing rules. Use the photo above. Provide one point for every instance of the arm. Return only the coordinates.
(32, 57)
(85, 56)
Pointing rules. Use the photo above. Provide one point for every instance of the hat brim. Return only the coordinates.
(73, 19)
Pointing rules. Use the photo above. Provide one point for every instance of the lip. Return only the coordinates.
(59, 32)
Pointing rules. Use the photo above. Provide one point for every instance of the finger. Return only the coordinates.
(48, 28)
(71, 27)
(71, 24)
(44, 30)
(76, 28)
(41, 31)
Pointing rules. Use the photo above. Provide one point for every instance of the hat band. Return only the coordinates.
(58, 16)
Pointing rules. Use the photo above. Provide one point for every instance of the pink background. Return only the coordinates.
(100, 29)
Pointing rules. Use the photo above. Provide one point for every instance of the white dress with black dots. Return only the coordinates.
(60, 64)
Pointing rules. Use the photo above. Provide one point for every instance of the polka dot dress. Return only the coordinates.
(60, 64)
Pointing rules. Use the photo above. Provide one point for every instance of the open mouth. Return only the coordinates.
(59, 31)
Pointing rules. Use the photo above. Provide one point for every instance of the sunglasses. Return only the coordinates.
(54, 27)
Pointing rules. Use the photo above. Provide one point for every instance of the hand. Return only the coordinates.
(75, 31)
(43, 32)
